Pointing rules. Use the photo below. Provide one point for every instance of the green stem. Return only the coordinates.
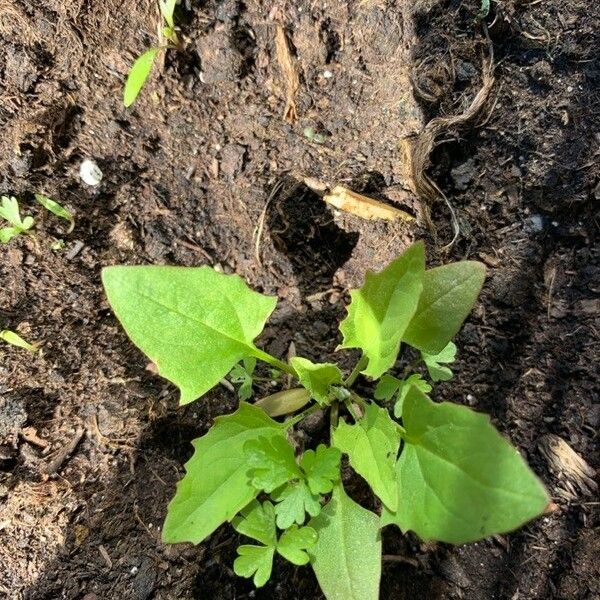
(356, 398)
(401, 430)
(275, 362)
(350, 408)
(360, 365)
(305, 413)
(333, 416)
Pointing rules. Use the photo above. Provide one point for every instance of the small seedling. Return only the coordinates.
(438, 469)
(9, 210)
(142, 66)
(57, 209)
(10, 337)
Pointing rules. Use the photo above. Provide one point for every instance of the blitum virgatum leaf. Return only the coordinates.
(216, 484)
(195, 324)
(381, 310)
(459, 480)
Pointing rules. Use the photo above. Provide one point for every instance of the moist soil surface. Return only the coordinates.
(209, 168)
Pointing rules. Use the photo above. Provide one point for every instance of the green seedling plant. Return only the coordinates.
(438, 469)
(14, 339)
(57, 209)
(142, 66)
(9, 211)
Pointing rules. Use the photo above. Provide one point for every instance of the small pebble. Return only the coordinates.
(90, 172)
(134, 570)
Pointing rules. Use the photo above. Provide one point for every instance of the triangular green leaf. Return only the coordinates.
(257, 521)
(294, 500)
(317, 378)
(347, 556)
(459, 480)
(449, 293)
(382, 308)
(195, 324)
(372, 446)
(294, 542)
(216, 485)
(138, 74)
(386, 387)
(254, 561)
(434, 363)
(322, 468)
(272, 462)
(389, 385)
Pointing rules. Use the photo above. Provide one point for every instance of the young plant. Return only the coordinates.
(440, 470)
(57, 209)
(9, 210)
(14, 339)
(142, 66)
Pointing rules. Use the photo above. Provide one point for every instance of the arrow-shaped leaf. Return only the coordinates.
(195, 324)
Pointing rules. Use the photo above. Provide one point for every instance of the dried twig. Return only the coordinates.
(290, 73)
(64, 453)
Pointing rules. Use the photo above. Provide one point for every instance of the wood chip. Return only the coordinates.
(363, 206)
(573, 472)
(64, 453)
(287, 64)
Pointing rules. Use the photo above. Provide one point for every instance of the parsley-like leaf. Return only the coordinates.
(257, 521)
(322, 468)
(294, 500)
(254, 561)
(272, 462)
(293, 543)
(242, 374)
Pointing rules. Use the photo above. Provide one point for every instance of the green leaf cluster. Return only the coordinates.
(439, 469)
(9, 211)
(296, 487)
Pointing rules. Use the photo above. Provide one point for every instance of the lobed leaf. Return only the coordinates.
(372, 446)
(272, 462)
(294, 542)
(254, 561)
(322, 468)
(242, 374)
(195, 324)
(347, 555)
(414, 380)
(381, 310)
(294, 500)
(449, 294)
(317, 378)
(138, 74)
(257, 521)
(216, 485)
(459, 480)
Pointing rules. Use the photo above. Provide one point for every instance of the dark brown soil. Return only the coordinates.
(188, 174)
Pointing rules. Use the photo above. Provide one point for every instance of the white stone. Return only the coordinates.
(90, 172)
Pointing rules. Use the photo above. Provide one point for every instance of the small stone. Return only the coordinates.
(90, 172)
